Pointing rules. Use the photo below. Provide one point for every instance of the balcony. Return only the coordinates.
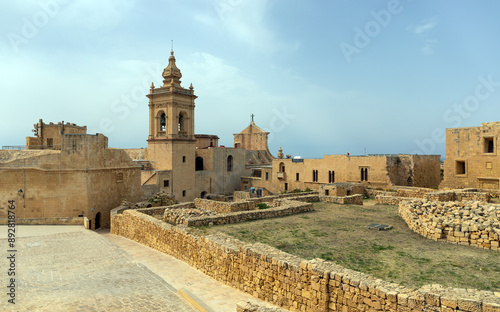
(281, 175)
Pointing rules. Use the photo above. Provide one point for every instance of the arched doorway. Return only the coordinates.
(203, 194)
(98, 221)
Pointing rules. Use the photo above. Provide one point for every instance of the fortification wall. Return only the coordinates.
(289, 281)
(466, 223)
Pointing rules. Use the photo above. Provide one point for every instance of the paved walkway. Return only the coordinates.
(72, 269)
(218, 296)
(68, 268)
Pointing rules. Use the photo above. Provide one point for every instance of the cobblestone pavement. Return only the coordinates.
(82, 271)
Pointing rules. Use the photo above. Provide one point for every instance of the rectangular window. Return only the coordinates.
(119, 177)
(183, 193)
(183, 158)
(297, 176)
(488, 165)
(460, 167)
(166, 183)
(327, 192)
(489, 146)
(267, 176)
(286, 186)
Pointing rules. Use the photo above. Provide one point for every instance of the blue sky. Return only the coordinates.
(324, 77)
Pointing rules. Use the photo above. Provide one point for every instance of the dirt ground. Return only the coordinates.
(339, 233)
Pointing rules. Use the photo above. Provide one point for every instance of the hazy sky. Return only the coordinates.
(324, 77)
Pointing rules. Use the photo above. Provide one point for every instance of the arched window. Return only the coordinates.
(282, 167)
(366, 174)
(229, 163)
(199, 164)
(181, 127)
(163, 122)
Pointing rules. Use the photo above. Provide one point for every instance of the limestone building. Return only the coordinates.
(73, 175)
(48, 136)
(376, 171)
(179, 162)
(472, 158)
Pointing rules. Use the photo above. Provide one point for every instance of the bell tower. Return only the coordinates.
(171, 140)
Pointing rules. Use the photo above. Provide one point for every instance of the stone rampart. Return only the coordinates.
(346, 200)
(289, 281)
(46, 221)
(467, 223)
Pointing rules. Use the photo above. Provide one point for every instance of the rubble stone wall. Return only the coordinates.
(467, 223)
(346, 200)
(389, 200)
(289, 281)
(224, 207)
(459, 195)
(285, 209)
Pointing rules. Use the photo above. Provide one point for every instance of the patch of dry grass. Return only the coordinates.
(338, 233)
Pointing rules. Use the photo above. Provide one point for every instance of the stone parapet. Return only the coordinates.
(467, 223)
(288, 281)
(46, 221)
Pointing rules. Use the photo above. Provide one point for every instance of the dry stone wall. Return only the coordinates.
(346, 200)
(389, 200)
(460, 195)
(289, 281)
(467, 223)
(200, 217)
(224, 207)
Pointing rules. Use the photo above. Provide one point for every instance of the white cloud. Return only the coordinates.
(422, 30)
(424, 26)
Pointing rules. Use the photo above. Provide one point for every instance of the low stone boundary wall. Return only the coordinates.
(389, 200)
(346, 200)
(467, 223)
(398, 191)
(302, 198)
(460, 195)
(47, 221)
(224, 207)
(289, 281)
(284, 208)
